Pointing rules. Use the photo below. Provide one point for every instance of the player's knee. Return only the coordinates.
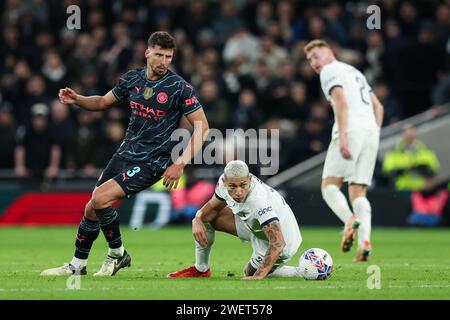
(327, 189)
(89, 212)
(99, 200)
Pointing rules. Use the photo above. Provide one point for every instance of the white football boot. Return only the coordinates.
(66, 270)
(113, 264)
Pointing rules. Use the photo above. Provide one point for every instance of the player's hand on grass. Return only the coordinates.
(253, 278)
(343, 147)
(199, 232)
(172, 175)
(67, 95)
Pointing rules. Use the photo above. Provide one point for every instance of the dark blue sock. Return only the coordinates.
(109, 223)
(87, 233)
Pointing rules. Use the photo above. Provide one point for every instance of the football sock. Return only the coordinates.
(286, 271)
(78, 263)
(202, 254)
(337, 202)
(87, 233)
(109, 223)
(363, 211)
(116, 252)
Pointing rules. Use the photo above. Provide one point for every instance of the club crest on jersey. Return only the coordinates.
(148, 91)
(162, 97)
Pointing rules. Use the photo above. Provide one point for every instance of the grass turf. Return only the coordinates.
(414, 264)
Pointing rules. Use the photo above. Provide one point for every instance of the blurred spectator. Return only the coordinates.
(375, 49)
(443, 23)
(61, 126)
(392, 110)
(7, 136)
(54, 71)
(226, 22)
(441, 92)
(272, 54)
(241, 43)
(418, 72)
(335, 24)
(216, 108)
(430, 207)
(111, 140)
(85, 54)
(406, 163)
(311, 139)
(37, 155)
(90, 82)
(247, 114)
(35, 93)
(83, 146)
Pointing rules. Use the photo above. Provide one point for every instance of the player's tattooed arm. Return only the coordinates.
(276, 245)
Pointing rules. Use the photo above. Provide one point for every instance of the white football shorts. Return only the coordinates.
(363, 147)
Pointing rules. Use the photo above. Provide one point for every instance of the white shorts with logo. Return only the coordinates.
(363, 147)
(261, 246)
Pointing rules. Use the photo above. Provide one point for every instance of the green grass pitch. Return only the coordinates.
(414, 264)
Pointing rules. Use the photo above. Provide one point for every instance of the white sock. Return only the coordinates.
(363, 210)
(287, 271)
(202, 254)
(79, 263)
(337, 202)
(118, 252)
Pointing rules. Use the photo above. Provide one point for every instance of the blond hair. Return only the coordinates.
(315, 43)
(236, 169)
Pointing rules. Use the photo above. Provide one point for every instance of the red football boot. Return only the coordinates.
(190, 272)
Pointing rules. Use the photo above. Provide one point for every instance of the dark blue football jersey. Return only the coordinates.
(156, 109)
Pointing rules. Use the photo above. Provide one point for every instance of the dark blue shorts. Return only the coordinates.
(132, 176)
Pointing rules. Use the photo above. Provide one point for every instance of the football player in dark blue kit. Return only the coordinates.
(158, 99)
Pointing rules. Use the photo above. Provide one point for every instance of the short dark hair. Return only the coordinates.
(162, 39)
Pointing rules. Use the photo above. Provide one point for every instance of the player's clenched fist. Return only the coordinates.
(67, 95)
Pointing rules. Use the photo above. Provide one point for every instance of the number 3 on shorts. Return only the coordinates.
(135, 170)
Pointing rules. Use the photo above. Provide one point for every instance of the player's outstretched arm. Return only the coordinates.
(206, 214)
(378, 109)
(90, 103)
(276, 245)
(341, 111)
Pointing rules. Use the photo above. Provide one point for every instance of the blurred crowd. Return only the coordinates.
(245, 59)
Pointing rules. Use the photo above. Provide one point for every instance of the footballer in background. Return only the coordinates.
(353, 148)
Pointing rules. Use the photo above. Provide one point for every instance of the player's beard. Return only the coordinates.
(160, 71)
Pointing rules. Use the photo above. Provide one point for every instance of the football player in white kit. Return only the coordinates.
(353, 149)
(246, 207)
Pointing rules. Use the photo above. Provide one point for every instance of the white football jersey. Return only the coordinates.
(357, 94)
(262, 205)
